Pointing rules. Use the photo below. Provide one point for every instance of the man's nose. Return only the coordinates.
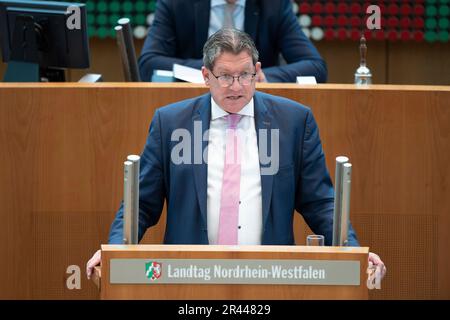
(236, 86)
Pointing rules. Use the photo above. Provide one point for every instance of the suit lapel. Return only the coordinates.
(200, 123)
(251, 18)
(263, 121)
(202, 10)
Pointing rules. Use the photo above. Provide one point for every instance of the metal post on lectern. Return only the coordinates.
(341, 201)
(131, 200)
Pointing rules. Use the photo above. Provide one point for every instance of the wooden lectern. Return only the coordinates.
(232, 272)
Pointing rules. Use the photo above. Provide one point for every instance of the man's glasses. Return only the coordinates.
(226, 80)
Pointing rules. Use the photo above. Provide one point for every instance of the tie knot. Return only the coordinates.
(228, 20)
(233, 120)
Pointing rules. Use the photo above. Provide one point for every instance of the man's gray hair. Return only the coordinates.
(228, 40)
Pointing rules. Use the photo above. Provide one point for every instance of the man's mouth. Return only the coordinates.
(234, 97)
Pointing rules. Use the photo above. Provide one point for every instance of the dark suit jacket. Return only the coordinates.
(180, 29)
(302, 181)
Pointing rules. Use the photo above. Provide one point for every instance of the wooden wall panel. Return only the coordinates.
(62, 153)
(390, 63)
(418, 63)
(342, 59)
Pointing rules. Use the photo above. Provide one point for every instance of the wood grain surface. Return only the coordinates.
(61, 172)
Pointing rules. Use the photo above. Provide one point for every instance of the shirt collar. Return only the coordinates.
(215, 3)
(218, 112)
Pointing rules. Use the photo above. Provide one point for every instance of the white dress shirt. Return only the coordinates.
(217, 12)
(250, 208)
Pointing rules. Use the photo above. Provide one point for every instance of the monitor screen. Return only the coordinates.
(47, 33)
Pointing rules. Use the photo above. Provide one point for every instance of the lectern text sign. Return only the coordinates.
(234, 271)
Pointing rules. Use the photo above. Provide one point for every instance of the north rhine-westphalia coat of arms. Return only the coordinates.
(153, 270)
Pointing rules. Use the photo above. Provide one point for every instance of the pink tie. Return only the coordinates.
(231, 180)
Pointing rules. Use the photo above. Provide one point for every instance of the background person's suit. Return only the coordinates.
(180, 29)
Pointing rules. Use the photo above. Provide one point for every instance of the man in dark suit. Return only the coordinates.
(180, 29)
(208, 158)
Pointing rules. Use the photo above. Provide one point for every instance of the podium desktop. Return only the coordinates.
(232, 272)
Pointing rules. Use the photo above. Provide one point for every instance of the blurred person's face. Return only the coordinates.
(230, 93)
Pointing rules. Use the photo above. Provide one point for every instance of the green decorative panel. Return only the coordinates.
(102, 16)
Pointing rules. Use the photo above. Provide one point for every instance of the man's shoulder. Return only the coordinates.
(281, 104)
(269, 4)
(178, 5)
(186, 106)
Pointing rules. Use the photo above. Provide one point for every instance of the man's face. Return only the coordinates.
(234, 97)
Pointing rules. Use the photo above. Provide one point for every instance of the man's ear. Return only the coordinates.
(260, 77)
(205, 74)
(258, 67)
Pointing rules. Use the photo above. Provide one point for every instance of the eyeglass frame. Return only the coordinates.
(253, 75)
